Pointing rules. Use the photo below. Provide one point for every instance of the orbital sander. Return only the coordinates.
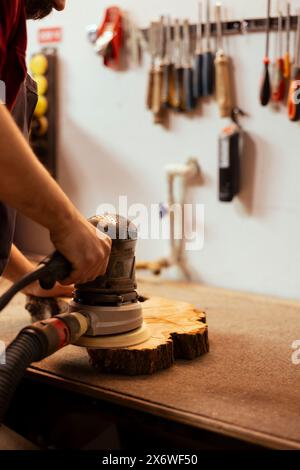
(105, 313)
(111, 302)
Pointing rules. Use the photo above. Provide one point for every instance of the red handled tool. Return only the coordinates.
(294, 91)
(278, 92)
(110, 33)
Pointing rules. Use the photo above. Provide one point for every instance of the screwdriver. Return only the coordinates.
(222, 64)
(152, 32)
(188, 69)
(208, 70)
(198, 57)
(177, 101)
(287, 57)
(278, 92)
(265, 90)
(294, 91)
(167, 67)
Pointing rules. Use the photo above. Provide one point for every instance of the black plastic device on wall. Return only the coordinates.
(43, 137)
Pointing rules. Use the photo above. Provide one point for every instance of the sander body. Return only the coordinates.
(110, 302)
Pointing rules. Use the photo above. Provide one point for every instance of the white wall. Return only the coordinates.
(109, 146)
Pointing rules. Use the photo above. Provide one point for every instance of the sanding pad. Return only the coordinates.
(124, 340)
(113, 326)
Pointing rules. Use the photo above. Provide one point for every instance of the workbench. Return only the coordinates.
(246, 387)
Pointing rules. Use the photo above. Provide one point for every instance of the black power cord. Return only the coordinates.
(54, 268)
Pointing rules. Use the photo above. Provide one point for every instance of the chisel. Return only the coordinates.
(189, 101)
(198, 57)
(223, 78)
(157, 107)
(152, 32)
(168, 68)
(208, 70)
(278, 92)
(287, 57)
(294, 91)
(265, 89)
(178, 104)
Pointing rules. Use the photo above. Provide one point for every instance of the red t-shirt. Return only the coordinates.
(13, 43)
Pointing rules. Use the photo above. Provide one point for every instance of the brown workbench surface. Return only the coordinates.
(246, 387)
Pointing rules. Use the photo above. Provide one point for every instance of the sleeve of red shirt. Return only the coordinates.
(13, 41)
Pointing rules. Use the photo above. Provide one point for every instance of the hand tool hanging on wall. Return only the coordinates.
(230, 149)
(152, 50)
(208, 70)
(110, 37)
(287, 57)
(178, 103)
(157, 107)
(294, 91)
(265, 89)
(223, 74)
(168, 75)
(198, 88)
(278, 88)
(189, 100)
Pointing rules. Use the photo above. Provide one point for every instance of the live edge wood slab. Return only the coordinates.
(178, 331)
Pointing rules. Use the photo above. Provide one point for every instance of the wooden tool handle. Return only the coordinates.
(178, 104)
(149, 102)
(223, 85)
(167, 85)
(157, 107)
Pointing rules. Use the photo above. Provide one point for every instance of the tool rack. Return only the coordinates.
(245, 26)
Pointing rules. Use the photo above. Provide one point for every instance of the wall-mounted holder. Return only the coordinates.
(244, 26)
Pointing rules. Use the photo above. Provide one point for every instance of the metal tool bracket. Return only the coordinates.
(244, 26)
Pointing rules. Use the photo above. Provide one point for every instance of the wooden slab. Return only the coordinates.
(178, 331)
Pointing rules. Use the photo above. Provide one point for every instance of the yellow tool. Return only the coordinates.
(41, 107)
(42, 84)
(222, 64)
(39, 64)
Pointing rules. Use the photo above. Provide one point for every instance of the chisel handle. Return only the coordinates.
(157, 107)
(189, 102)
(149, 101)
(178, 102)
(278, 92)
(166, 87)
(265, 89)
(198, 79)
(223, 85)
(294, 96)
(208, 74)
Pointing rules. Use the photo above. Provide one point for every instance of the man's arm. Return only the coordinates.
(18, 266)
(28, 187)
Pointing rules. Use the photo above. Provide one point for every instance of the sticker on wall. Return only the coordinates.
(50, 35)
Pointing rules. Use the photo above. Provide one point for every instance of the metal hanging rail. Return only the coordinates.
(245, 26)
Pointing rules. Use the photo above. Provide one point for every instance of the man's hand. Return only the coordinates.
(86, 248)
